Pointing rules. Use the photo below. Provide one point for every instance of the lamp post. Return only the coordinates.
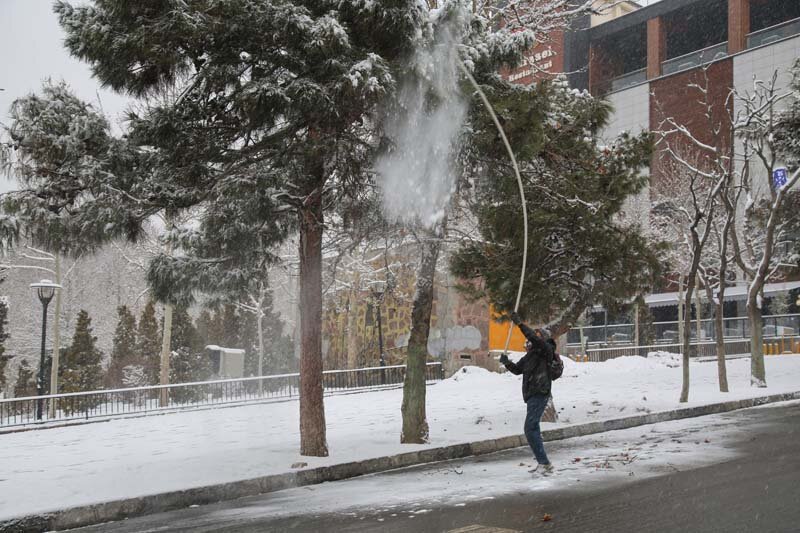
(45, 290)
(378, 292)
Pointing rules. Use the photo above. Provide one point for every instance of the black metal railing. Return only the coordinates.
(144, 400)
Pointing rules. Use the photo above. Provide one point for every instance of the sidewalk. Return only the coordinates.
(472, 412)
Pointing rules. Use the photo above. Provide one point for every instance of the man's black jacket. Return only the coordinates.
(533, 365)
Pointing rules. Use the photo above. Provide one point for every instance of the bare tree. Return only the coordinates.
(764, 223)
(694, 174)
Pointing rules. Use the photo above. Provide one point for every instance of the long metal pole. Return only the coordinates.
(40, 381)
(502, 133)
(54, 360)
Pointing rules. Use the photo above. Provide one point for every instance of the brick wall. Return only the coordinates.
(673, 97)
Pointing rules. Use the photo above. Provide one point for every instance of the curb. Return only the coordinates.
(157, 503)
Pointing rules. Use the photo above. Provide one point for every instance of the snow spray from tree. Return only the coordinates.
(417, 177)
(416, 174)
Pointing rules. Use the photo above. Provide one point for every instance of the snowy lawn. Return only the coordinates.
(66, 467)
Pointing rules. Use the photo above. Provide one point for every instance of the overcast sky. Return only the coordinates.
(32, 50)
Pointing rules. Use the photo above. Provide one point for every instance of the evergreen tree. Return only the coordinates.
(231, 327)
(149, 343)
(184, 333)
(186, 366)
(3, 338)
(205, 327)
(647, 328)
(81, 366)
(26, 382)
(580, 252)
(268, 133)
(124, 350)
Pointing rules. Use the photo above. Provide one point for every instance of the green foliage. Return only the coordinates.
(580, 251)
(81, 364)
(124, 351)
(206, 328)
(186, 366)
(647, 328)
(149, 343)
(26, 381)
(64, 157)
(4, 335)
(184, 333)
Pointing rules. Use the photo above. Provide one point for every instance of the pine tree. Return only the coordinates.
(647, 328)
(205, 327)
(81, 367)
(580, 251)
(300, 76)
(124, 350)
(149, 343)
(184, 333)
(3, 338)
(26, 381)
(186, 366)
(231, 324)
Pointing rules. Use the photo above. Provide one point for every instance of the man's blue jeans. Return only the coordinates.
(536, 406)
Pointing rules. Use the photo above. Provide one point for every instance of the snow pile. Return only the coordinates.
(472, 373)
(87, 464)
(668, 359)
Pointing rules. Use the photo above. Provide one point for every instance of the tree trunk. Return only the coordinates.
(312, 407)
(680, 311)
(719, 331)
(415, 424)
(260, 318)
(166, 340)
(687, 334)
(54, 362)
(550, 414)
(758, 375)
(698, 312)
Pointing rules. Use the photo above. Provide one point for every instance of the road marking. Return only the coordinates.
(477, 528)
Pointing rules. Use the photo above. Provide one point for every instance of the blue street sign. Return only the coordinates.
(779, 177)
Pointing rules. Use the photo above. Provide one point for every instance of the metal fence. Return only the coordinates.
(160, 398)
(772, 346)
(667, 332)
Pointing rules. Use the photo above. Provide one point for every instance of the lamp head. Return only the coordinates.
(45, 290)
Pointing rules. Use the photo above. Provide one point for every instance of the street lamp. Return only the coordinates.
(45, 290)
(378, 292)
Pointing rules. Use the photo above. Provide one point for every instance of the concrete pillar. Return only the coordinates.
(738, 25)
(656, 47)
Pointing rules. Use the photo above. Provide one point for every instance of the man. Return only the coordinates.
(535, 386)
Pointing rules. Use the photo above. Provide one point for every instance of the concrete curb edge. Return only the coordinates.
(169, 501)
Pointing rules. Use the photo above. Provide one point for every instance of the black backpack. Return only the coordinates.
(555, 368)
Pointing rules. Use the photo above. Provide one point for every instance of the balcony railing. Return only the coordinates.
(694, 59)
(774, 33)
(182, 396)
(775, 326)
(628, 80)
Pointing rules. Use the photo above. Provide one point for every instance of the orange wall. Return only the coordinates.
(498, 333)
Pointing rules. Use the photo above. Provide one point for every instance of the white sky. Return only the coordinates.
(32, 50)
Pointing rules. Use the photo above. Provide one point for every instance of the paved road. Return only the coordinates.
(755, 488)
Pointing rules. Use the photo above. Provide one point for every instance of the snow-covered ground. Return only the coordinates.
(65, 467)
(604, 459)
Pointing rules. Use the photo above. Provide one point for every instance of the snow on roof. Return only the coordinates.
(664, 299)
(216, 348)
